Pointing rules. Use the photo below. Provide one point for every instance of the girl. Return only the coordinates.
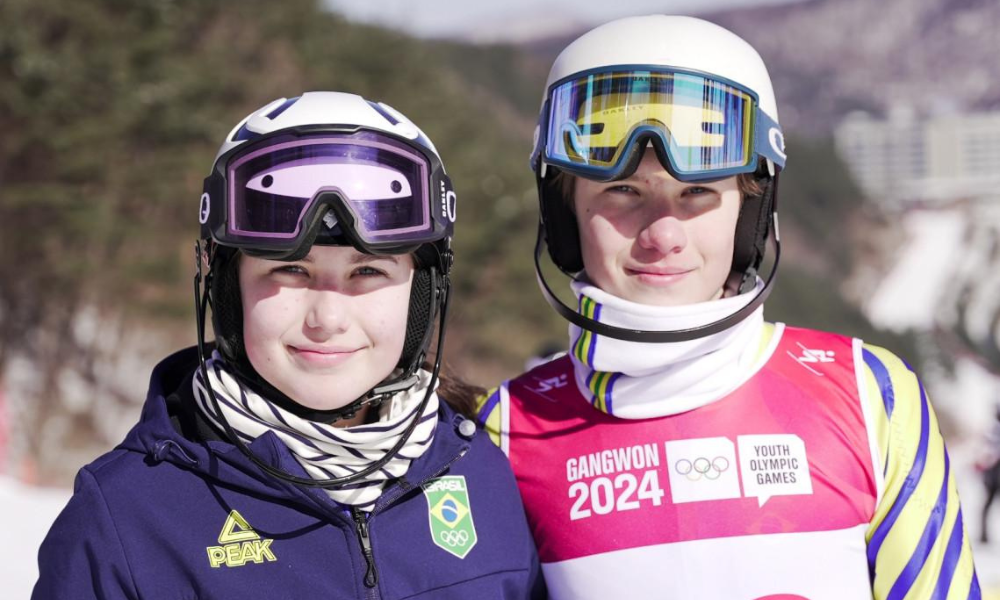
(309, 455)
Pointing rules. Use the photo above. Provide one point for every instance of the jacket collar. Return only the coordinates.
(171, 430)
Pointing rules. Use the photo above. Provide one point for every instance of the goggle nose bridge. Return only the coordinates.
(639, 139)
(311, 220)
(327, 201)
(339, 205)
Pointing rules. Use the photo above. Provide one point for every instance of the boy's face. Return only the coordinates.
(654, 240)
(326, 329)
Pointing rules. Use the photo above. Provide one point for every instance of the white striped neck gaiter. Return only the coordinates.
(325, 451)
(635, 380)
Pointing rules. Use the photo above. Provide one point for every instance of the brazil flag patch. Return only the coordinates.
(450, 514)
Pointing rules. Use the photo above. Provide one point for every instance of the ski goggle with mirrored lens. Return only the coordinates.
(702, 127)
(277, 196)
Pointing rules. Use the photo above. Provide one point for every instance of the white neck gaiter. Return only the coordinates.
(636, 380)
(325, 451)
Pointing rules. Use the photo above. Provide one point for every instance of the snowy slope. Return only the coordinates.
(972, 493)
(910, 294)
(25, 516)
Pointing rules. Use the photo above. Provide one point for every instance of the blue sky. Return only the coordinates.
(512, 20)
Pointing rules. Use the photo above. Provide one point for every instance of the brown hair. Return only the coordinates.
(459, 394)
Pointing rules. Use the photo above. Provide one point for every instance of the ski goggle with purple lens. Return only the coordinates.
(277, 196)
(702, 127)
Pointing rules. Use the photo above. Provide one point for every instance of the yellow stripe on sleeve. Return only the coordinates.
(488, 411)
(917, 545)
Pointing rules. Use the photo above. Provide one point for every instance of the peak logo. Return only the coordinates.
(239, 544)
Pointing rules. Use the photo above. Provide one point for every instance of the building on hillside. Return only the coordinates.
(907, 157)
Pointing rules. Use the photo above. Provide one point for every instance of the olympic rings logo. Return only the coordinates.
(454, 538)
(702, 467)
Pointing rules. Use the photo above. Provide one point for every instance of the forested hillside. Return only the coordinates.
(111, 112)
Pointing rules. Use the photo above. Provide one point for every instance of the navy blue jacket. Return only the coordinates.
(154, 518)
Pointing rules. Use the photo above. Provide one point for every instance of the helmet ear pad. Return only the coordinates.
(752, 228)
(425, 296)
(227, 320)
(227, 306)
(562, 235)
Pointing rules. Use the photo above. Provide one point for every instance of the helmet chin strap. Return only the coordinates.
(377, 394)
(653, 337)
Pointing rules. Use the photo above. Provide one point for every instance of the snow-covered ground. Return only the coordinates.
(972, 493)
(25, 516)
(909, 296)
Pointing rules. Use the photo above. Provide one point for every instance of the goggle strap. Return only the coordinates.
(769, 140)
(535, 159)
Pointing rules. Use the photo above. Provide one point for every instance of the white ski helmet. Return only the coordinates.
(322, 108)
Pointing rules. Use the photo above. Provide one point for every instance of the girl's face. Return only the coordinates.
(326, 329)
(654, 240)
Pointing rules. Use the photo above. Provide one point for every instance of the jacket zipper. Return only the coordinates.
(361, 527)
(361, 523)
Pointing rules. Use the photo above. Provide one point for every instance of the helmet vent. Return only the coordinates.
(243, 134)
(282, 108)
(382, 111)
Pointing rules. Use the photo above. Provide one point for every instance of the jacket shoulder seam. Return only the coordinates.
(114, 525)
